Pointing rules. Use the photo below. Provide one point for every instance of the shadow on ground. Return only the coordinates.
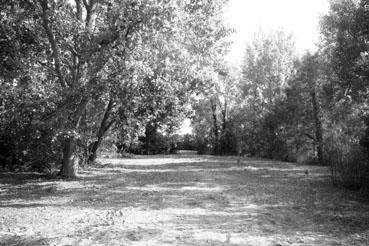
(183, 200)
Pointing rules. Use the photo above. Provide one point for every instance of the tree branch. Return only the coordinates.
(90, 14)
(51, 38)
(309, 136)
(79, 9)
(86, 4)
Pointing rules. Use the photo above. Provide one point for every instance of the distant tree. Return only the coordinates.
(267, 66)
(303, 101)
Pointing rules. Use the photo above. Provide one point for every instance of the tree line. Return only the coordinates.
(84, 74)
(311, 109)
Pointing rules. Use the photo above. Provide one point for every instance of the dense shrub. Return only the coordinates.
(156, 144)
(187, 142)
(26, 137)
(349, 164)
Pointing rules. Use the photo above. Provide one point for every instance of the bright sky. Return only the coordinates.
(185, 128)
(301, 17)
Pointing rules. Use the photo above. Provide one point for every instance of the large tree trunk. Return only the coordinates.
(318, 127)
(104, 127)
(70, 159)
(150, 138)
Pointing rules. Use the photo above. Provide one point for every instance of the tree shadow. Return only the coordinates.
(22, 241)
(213, 195)
(20, 178)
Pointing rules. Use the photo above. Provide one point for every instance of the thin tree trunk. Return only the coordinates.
(223, 144)
(239, 148)
(215, 127)
(51, 38)
(224, 114)
(318, 127)
(90, 14)
(95, 146)
(104, 127)
(79, 10)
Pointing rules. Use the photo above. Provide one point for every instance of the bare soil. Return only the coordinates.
(182, 200)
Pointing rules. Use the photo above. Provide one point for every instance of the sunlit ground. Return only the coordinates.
(182, 200)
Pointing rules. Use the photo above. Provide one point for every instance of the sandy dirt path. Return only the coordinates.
(182, 200)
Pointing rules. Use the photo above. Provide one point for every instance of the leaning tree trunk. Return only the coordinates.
(96, 144)
(104, 127)
(93, 150)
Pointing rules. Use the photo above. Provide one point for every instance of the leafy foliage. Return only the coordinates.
(73, 70)
(312, 109)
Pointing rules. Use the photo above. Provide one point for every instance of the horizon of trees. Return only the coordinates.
(311, 109)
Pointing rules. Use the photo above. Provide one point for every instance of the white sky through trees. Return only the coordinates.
(300, 17)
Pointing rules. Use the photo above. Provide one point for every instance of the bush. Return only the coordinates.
(154, 144)
(349, 165)
(203, 148)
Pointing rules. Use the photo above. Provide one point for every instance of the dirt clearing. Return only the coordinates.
(182, 200)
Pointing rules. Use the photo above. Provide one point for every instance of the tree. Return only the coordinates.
(82, 49)
(344, 50)
(345, 32)
(179, 69)
(267, 66)
(214, 112)
(83, 54)
(25, 96)
(307, 86)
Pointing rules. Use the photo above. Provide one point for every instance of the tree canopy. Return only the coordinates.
(72, 69)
